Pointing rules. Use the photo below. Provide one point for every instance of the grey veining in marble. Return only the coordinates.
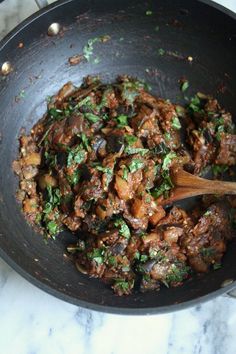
(33, 322)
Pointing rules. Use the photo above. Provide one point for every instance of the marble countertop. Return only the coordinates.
(33, 322)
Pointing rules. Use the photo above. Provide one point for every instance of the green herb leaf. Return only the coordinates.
(50, 159)
(184, 86)
(88, 48)
(161, 51)
(85, 102)
(97, 255)
(176, 123)
(158, 191)
(220, 130)
(112, 261)
(122, 121)
(123, 228)
(76, 155)
(130, 90)
(219, 169)
(207, 252)
(130, 139)
(123, 286)
(167, 136)
(161, 149)
(167, 160)
(148, 13)
(207, 213)
(137, 255)
(131, 151)
(55, 114)
(217, 266)
(52, 228)
(178, 273)
(85, 141)
(74, 178)
(135, 165)
(108, 171)
(125, 173)
(195, 104)
(91, 117)
(143, 258)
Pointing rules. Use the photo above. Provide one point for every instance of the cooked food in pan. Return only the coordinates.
(99, 162)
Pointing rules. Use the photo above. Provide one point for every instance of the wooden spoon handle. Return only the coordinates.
(182, 178)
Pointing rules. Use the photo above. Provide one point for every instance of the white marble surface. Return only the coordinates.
(33, 322)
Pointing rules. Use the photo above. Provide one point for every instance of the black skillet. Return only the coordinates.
(138, 29)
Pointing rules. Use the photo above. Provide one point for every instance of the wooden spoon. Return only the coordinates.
(187, 185)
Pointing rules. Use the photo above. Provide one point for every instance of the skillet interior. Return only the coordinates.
(189, 28)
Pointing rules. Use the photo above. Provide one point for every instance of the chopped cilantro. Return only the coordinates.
(158, 191)
(85, 141)
(165, 186)
(130, 151)
(130, 91)
(112, 261)
(143, 258)
(92, 117)
(85, 102)
(97, 60)
(135, 165)
(55, 114)
(207, 252)
(130, 139)
(137, 255)
(180, 111)
(96, 255)
(184, 86)
(195, 104)
(108, 171)
(167, 136)
(219, 169)
(125, 173)
(88, 48)
(176, 123)
(177, 273)
(167, 160)
(122, 121)
(123, 286)
(53, 199)
(217, 266)
(207, 213)
(52, 228)
(123, 228)
(50, 159)
(148, 13)
(219, 131)
(74, 178)
(161, 149)
(161, 51)
(76, 155)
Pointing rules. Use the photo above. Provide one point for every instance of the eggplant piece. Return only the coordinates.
(61, 159)
(115, 143)
(207, 135)
(118, 248)
(99, 145)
